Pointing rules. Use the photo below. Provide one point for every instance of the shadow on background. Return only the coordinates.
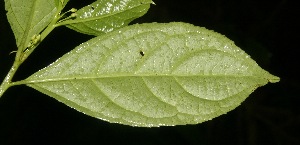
(270, 116)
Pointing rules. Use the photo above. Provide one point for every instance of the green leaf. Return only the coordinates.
(153, 75)
(28, 18)
(63, 3)
(105, 16)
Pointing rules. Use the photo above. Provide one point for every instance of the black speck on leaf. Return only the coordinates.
(142, 53)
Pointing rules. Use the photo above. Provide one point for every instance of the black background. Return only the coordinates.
(266, 30)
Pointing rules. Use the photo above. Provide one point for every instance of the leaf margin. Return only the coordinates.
(268, 76)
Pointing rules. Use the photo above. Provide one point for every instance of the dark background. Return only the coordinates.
(266, 30)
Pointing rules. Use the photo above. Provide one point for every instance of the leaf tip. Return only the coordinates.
(274, 79)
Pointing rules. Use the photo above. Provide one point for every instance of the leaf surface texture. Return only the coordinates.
(104, 16)
(153, 75)
(29, 17)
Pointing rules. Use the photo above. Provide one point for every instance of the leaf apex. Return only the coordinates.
(274, 79)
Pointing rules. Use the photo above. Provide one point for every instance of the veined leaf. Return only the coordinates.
(28, 18)
(104, 16)
(153, 75)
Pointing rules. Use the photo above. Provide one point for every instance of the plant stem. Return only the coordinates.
(7, 80)
(43, 36)
(21, 56)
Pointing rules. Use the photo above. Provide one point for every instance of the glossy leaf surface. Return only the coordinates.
(153, 75)
(29, 17)
(105, 16)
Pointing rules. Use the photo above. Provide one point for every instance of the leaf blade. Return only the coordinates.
(29, 18)
(186, 75)
(107, 15)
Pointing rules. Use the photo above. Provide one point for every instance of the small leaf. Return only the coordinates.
(153, 75)
(104, 16)
(28, 18)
